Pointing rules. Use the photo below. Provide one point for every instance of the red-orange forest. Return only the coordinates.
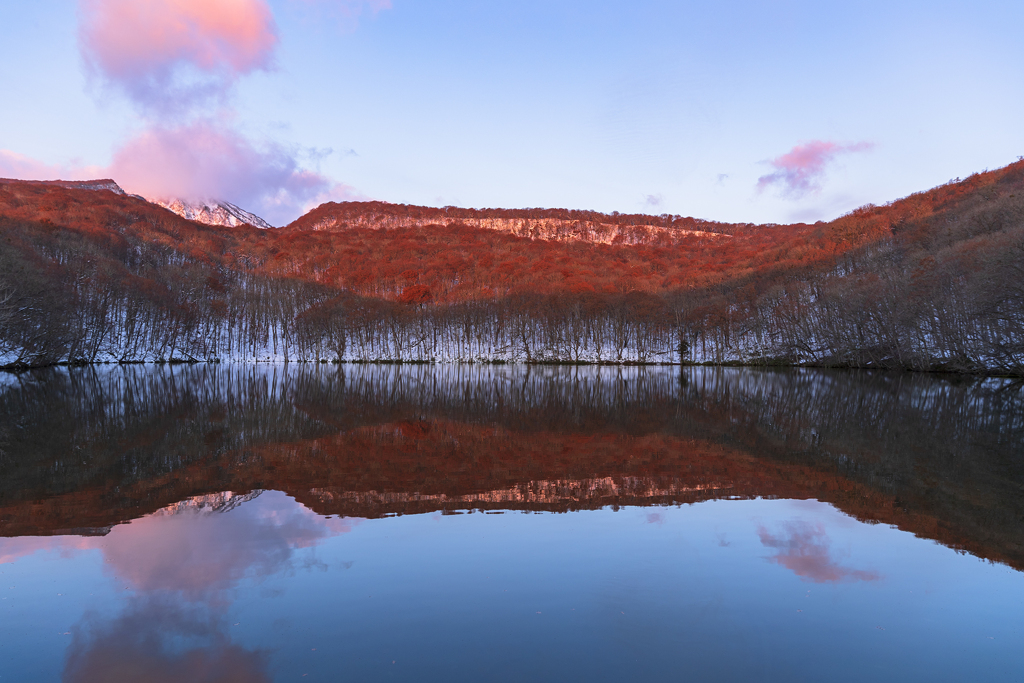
(932, 281)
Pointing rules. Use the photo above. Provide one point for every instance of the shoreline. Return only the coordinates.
(775, 364)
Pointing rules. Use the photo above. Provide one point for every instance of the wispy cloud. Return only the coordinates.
(805, 550)
(14, 165)
(653, 201)
(800, 171)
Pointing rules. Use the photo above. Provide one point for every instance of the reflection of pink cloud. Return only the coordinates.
(146, 45)
(801, 169)
(201, 553)
(160, 642)
(804, 550)
(197, 553)
(204, 160)
(13, 548)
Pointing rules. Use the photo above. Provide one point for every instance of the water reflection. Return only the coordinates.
(181, 565)
(239, 523)
(157, 640)
(184, 549)
(193, 549)
(86, 449)
(805, 549)
(598, 595)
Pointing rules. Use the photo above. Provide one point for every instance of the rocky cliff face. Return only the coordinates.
(555, 229)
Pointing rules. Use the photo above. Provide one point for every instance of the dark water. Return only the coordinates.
(280, 523)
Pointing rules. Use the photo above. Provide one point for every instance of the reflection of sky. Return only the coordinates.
(180, 564)
(198, 553)
(157, 641)
(195, 551)
(726, 590)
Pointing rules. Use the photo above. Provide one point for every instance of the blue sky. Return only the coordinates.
(642, 106)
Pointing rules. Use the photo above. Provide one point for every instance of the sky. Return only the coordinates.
(740, 111)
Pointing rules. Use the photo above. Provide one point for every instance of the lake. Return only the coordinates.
(313, 522)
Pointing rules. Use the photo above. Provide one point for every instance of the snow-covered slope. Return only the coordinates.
(212, 212)
(209, 211)
(103, 184)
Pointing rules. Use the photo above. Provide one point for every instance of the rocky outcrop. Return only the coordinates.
(554, 229)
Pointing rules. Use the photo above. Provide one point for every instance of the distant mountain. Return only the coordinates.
(208, 211)
(212, 212)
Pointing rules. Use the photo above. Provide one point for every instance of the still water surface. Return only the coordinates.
(279, 523)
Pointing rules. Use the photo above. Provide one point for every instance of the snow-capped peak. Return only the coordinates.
(212, 212)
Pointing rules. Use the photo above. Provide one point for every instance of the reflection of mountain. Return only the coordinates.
(93, 447)
(224, 501)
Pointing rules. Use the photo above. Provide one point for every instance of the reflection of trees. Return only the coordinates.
(97, 445)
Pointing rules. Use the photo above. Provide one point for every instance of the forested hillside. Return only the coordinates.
(933, 281)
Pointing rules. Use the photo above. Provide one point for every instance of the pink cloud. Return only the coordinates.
(206, 160)
(805, 550)
(167, 54)
(14, 165)
(801, 170)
